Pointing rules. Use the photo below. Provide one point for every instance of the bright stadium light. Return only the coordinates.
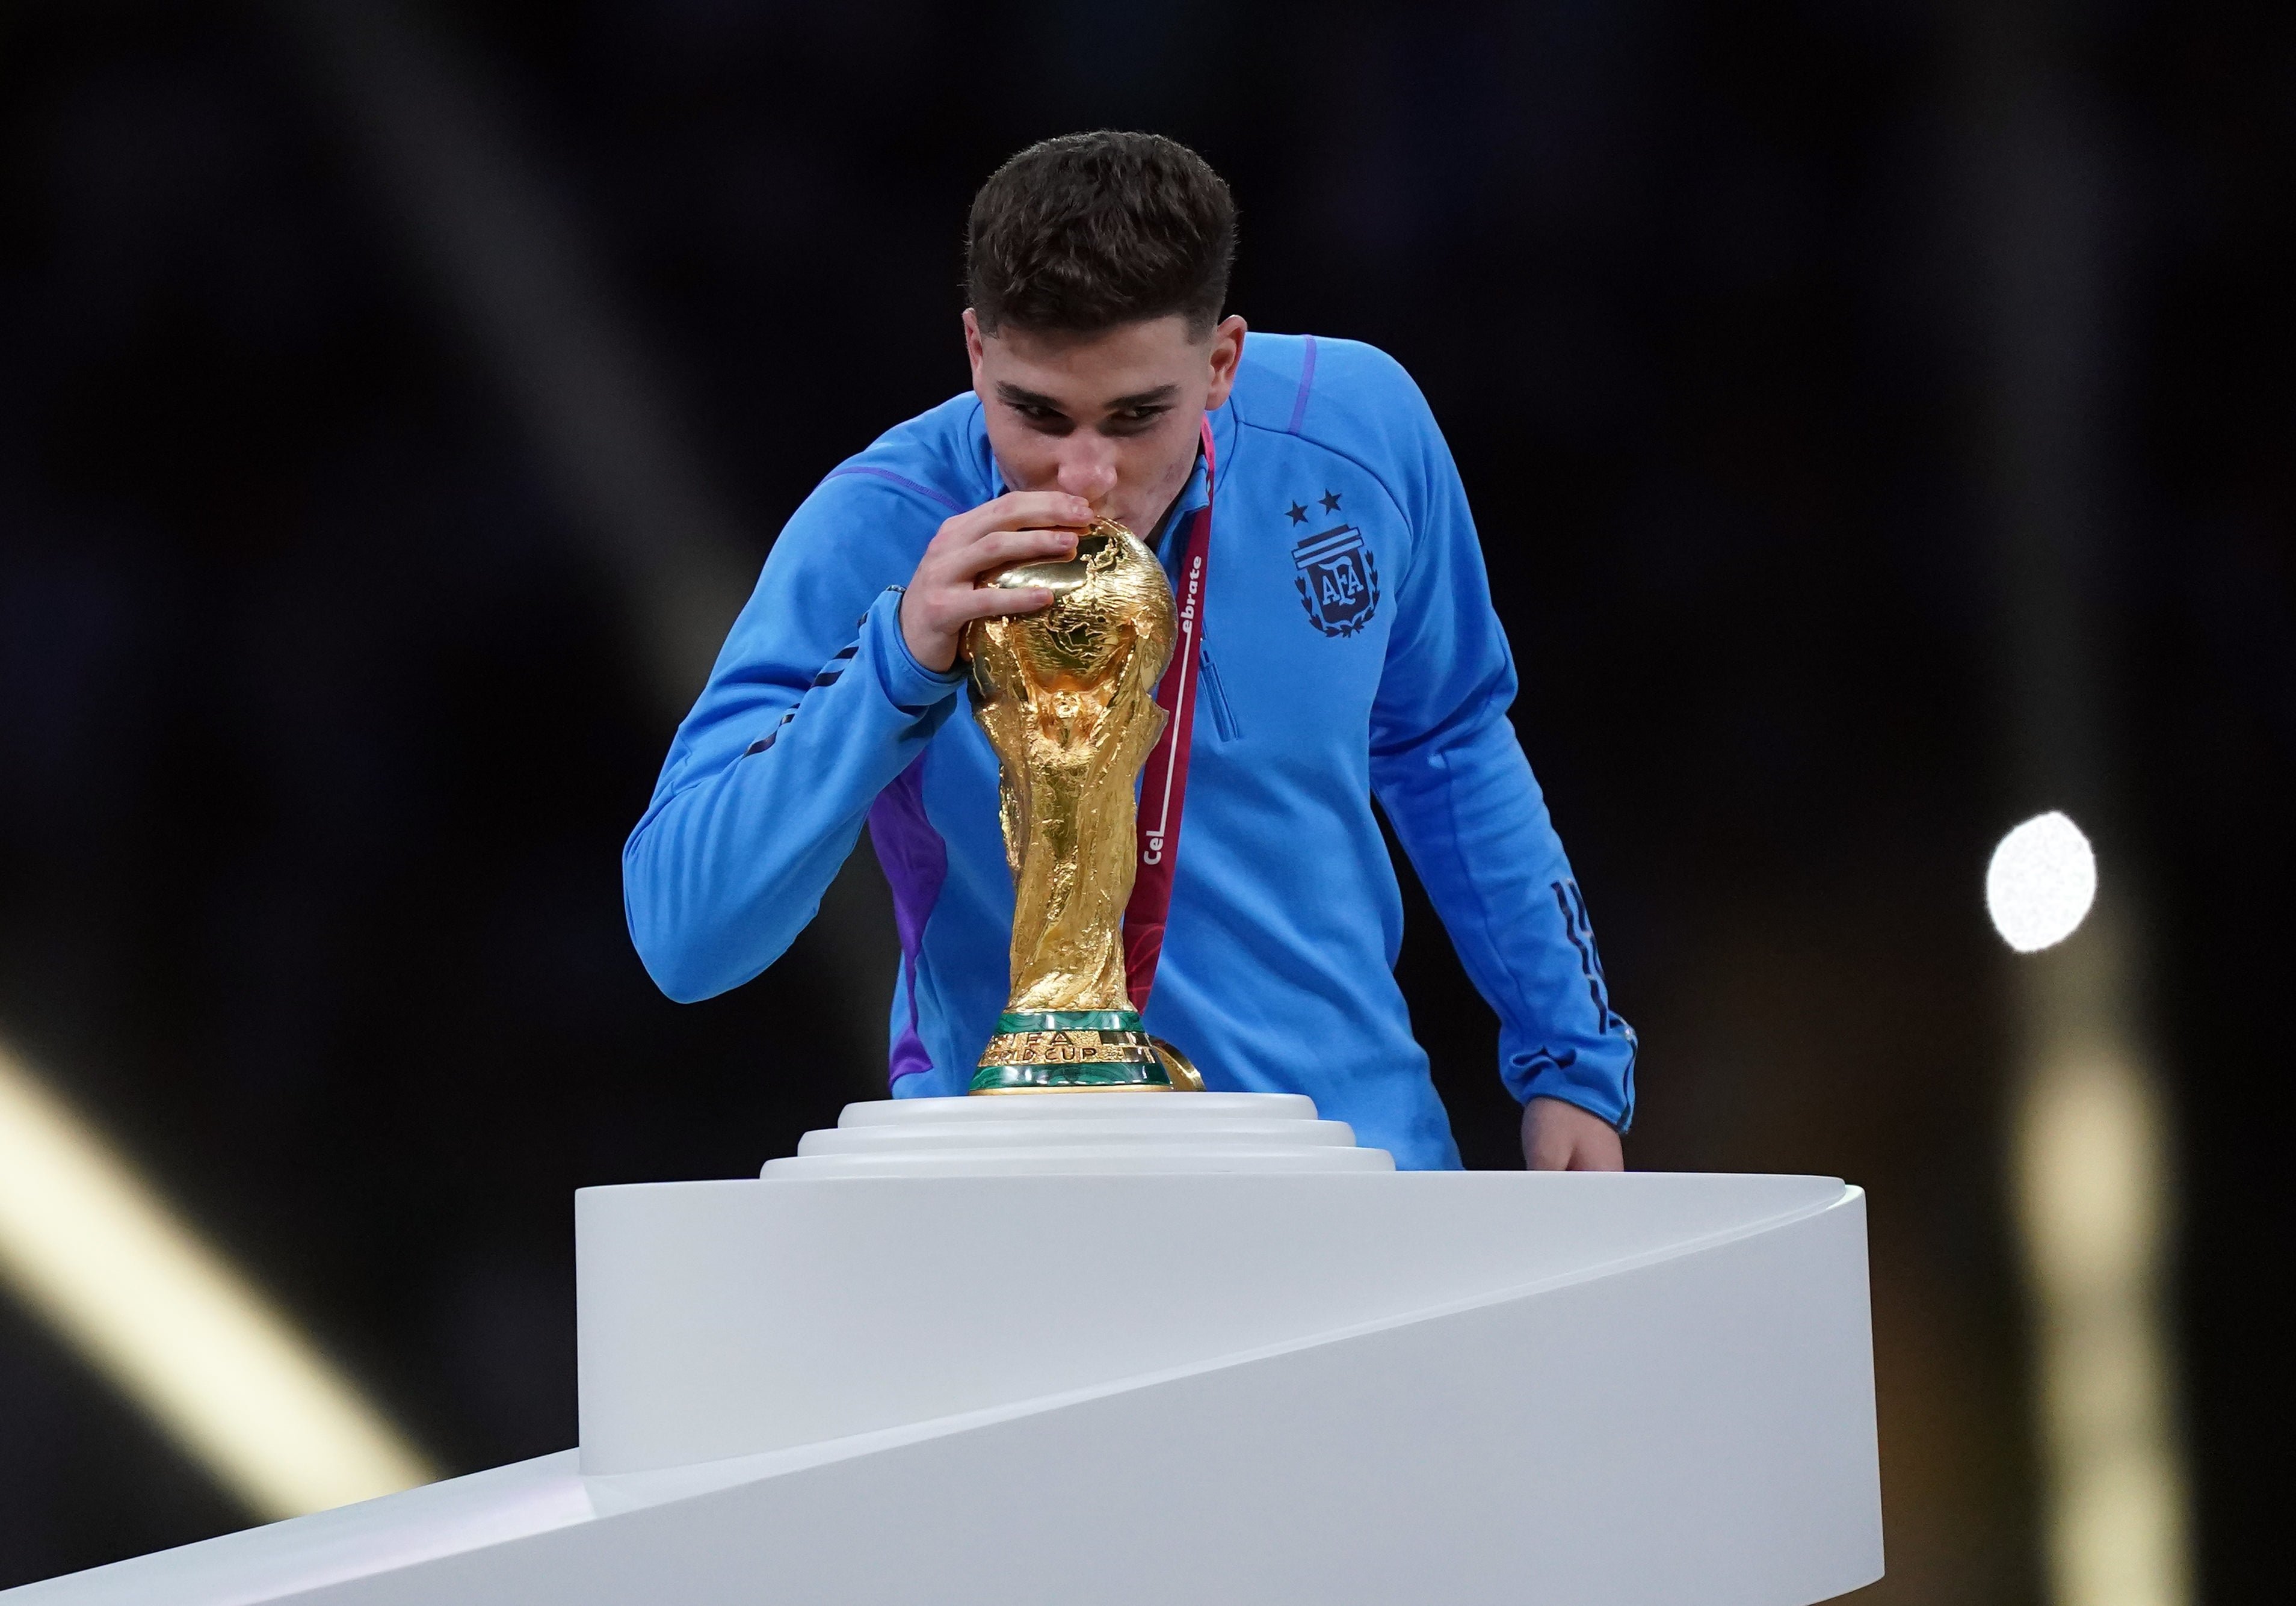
(2041, 882)
(88, 1247)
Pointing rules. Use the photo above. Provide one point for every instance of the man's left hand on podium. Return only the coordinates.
(1558, 1136)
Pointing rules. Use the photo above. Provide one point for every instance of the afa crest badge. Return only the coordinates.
(1337, 580)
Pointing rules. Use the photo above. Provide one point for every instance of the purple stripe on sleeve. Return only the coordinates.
(915, 859)
(925, 491)
(1307, 383)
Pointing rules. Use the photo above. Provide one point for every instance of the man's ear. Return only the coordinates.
(1227, 351)
(972, 350)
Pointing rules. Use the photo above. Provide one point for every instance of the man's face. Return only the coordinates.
(1111, 417)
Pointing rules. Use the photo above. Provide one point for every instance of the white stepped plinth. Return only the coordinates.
(932, 1360)
(1096, 1133)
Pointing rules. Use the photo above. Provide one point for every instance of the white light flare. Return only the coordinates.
(2040, 883)
(89, 1248)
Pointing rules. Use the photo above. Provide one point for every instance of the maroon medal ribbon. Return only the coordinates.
(1164, 781)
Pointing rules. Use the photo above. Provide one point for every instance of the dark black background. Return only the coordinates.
(320, 730)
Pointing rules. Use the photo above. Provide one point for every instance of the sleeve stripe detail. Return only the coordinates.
(892, 479)
(770, 736)
(1307, 383)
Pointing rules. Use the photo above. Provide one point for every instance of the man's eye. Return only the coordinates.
(1137, 418)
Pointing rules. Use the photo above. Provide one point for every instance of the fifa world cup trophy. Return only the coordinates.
(1067, 697)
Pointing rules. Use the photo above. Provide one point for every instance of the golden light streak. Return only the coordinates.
(88, 1247)
(2095, 1177)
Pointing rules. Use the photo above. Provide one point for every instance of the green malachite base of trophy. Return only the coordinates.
(1080, 1051)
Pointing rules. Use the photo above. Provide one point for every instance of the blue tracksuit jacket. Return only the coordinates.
(1350, 652)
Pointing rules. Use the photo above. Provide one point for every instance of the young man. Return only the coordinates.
(1350, 651)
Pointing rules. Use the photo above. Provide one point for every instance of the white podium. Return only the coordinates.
(1101, 1349)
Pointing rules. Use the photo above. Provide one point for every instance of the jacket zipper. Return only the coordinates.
(1223, 719)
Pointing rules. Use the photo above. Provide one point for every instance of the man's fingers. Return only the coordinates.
(1548, 1151)
(1020, 509)
(1024, 508)
(994, 601)
(1559, 1136)
(1011, 545)
(944, 594)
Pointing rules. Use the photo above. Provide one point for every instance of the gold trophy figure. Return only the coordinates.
(1066, 698)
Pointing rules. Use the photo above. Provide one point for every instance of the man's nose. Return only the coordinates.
(1088, 466)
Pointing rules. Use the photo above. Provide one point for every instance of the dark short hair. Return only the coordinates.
(1089, 231)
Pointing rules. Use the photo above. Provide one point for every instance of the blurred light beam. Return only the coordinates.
(488, 225)
(2045, 190)
(2093, 1176)
(91, 1249)
(491, 230)
(2090, 1174)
